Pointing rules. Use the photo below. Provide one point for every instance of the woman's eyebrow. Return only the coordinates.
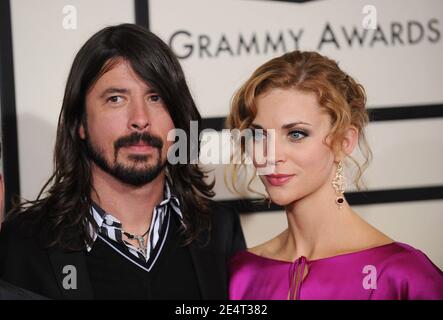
(285, 126)
(293, 124)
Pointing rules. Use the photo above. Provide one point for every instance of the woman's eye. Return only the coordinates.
(115, 99)
(297, 135)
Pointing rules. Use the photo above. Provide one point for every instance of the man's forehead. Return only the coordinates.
(120, 74)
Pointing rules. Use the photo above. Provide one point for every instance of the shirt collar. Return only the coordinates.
(101, 217)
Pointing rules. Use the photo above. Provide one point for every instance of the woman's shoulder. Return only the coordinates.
(402, 256)
(412, 271)
(257, 257)
(242, 256)
(270, 248)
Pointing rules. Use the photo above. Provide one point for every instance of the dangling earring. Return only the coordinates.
(339, 185)
(269, 203)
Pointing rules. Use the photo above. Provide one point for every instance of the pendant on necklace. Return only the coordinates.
(141, 245)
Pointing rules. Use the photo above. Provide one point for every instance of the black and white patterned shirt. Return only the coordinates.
(110, 228)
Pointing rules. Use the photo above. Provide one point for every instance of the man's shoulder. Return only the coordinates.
(10, 292)
(25, 225)
(223, 216)
(226, 227)
(221, 210)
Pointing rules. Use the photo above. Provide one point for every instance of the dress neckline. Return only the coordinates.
(323, 259)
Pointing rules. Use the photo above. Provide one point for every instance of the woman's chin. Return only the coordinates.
(281, 201)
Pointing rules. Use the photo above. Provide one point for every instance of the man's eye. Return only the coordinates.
(297, 135)
(115, 99)
(155, 98)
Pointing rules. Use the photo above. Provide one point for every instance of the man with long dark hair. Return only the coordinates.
(117, 220)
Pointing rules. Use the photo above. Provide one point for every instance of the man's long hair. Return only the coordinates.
(65, 199)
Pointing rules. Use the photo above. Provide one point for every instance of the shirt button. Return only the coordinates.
(108, 222)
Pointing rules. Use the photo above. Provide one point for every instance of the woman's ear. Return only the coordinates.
(350, 140)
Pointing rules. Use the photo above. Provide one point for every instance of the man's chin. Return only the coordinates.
(133, 160)
(137, 178)
(136, 157)
(139, 167)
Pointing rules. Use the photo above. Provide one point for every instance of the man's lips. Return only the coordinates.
(140, 147)
(278, 179)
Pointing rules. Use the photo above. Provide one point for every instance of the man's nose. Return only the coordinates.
(139, 118)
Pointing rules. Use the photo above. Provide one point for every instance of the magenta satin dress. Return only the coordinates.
(393, 271)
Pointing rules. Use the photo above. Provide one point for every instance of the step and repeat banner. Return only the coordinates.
(394, 48)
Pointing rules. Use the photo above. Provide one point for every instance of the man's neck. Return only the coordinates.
(132, 206)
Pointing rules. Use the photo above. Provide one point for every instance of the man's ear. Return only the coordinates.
(81, 131)
(350, 141)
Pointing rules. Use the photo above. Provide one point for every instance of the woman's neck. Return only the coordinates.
(318, 228)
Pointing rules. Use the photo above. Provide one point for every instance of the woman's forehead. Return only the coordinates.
(282, 106)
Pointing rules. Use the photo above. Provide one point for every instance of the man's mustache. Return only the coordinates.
(135, 138)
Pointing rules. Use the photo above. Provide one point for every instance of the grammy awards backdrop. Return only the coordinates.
(394, 48)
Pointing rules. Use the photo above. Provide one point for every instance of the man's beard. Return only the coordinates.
(127, 174)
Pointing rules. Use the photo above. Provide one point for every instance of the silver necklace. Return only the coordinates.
(140, 239)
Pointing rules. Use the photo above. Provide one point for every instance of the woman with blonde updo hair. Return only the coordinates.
(314, 114)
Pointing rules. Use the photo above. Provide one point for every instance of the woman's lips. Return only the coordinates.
(278, 179)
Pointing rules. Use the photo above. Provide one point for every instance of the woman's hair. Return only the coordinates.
(65, 200)
(339, 94)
